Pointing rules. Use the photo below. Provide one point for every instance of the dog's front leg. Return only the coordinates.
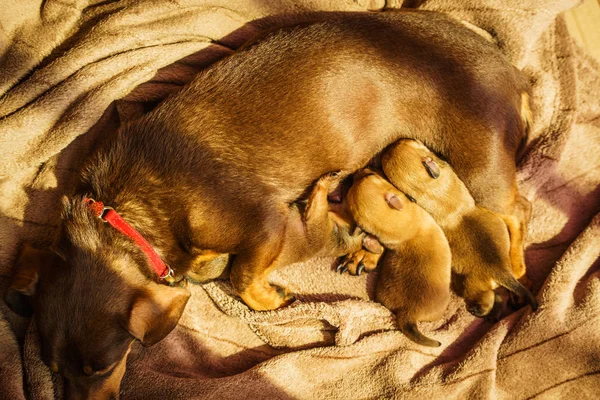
(251, 267)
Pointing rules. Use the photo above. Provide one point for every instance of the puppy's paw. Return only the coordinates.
(476, 310)
(330, 178)
(331, 184)
(359, 262)
(371, 244)
(495, 314)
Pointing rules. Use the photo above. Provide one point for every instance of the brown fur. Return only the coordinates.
(316, 228)
(216, 166)
(478, 238)
(414, 276)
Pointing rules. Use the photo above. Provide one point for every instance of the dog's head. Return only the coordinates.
(91, 301)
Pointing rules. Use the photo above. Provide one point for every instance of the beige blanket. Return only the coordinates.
(65, 63)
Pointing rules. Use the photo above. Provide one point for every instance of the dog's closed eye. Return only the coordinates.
(89, 370)
(409, 197)
(431, 166)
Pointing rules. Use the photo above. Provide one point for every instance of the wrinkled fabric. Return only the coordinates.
(72, 71)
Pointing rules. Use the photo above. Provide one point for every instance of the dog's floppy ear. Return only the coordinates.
(156, 312)
(25, 278)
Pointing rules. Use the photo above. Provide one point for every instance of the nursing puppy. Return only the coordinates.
(214, 168)
(478, 238)
(414, 275)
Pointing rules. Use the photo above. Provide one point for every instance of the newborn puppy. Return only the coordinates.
(414, 278)
(478, 238)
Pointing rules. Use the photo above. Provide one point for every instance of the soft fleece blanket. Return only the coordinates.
(72, 70)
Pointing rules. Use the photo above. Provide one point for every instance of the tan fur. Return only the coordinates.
(526, 114)
(414, 281)
(478, 238)
(219, 165)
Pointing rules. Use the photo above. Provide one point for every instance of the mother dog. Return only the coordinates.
(215, 168)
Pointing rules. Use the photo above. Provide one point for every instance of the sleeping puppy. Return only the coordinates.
(478, 238)
(414, 277)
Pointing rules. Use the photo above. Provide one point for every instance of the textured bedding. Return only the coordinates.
(72, 71)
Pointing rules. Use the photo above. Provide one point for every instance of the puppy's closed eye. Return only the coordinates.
(431, 166)
(393, 201)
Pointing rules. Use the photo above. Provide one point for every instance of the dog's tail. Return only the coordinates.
(526, 120)
(412, 332)
(508, 281)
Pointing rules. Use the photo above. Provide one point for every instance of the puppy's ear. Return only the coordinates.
(155, 313)
(25, 278)
(393, 201)
(432, 167)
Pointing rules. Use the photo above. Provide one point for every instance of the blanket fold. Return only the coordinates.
(72, 71)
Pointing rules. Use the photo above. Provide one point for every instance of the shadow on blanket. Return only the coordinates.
(335, 343)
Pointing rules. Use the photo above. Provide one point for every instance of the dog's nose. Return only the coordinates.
(84, 392)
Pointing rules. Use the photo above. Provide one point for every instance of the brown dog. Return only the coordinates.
(213, 169)
(478, 238)
(414, 276)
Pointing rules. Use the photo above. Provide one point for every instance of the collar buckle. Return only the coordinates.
(103, 213)
(169, 276)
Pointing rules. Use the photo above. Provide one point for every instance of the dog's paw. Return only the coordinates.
(476, 310)
(359, 262)
(266, 297)
(482, 309)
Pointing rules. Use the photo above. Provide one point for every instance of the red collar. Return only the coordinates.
(108, 214)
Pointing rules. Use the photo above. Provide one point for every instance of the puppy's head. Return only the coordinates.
(91, 301)
(411, 157)
(381, 209)
(421, 174)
